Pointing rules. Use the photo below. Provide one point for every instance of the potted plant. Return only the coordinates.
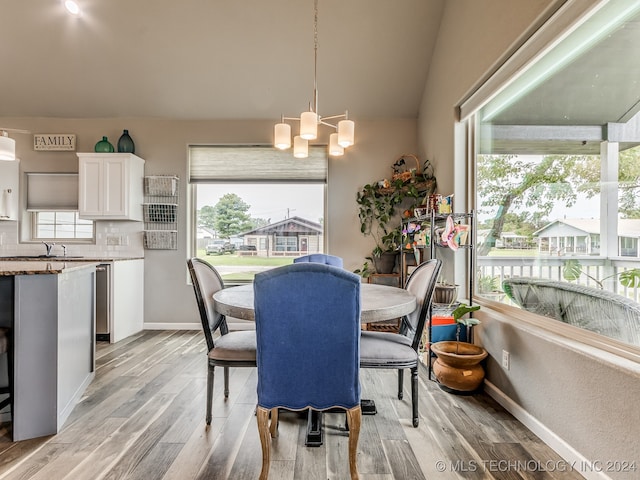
(458, 366)
(379, 205)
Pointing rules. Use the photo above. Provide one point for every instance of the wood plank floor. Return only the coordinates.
(143, 418)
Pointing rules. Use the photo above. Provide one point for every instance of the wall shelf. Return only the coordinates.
(160, 212)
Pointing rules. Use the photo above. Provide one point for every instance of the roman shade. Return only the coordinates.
(212, 163)
(52, 191)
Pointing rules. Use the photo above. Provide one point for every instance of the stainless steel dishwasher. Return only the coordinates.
(103, 302)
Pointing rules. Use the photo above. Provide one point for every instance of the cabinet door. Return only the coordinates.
(90, 185)
(115, 187)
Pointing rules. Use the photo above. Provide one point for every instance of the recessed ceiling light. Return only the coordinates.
(72, 7)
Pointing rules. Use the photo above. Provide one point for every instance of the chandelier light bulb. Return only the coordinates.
(72, 7)
(335, 150)
(282, 137)
(300, 147)
(345, 133)
(309, 125)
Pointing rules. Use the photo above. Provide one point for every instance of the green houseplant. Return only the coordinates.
(379, 204)
(458, 366)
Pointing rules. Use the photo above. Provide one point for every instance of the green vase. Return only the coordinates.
(103, 146)
(125, 143)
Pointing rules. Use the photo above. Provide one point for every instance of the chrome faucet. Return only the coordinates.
(49, 246)
(64, 250)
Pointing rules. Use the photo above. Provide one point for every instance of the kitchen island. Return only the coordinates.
(50, 306)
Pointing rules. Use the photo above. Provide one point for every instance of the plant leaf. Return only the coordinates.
(630, 278)
(571, 270)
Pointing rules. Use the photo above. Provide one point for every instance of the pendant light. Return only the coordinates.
(7, 147)
(310, 120)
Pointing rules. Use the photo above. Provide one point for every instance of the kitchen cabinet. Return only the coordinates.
(110, 186)
(9, 180)
(127, 308)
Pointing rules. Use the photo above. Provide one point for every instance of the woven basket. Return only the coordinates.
(407, 174)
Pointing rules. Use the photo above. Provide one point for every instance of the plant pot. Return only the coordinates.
(461, 371)
(385, 263)
(445, 293)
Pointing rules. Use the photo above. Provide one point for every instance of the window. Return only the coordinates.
(556, 162)
(266, 203)
(60, 225)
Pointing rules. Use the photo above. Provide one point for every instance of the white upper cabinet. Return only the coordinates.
(110, 186)
(9, 181)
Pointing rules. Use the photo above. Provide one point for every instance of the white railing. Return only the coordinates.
(604, 270)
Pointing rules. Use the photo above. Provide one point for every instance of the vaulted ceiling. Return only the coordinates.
(213, 59)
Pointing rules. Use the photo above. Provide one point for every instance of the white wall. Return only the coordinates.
(169, 300)
(580, 401)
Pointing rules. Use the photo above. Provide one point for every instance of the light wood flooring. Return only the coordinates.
(143, 418)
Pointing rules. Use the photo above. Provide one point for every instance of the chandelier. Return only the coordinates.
(309, 121)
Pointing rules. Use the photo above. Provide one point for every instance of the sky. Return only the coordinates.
(270, 201)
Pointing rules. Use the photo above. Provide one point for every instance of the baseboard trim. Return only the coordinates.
(172, 326)
(574, 459)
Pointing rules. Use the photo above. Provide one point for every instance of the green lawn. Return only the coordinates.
(243, 261)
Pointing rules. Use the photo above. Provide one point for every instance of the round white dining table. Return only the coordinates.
(378, 302)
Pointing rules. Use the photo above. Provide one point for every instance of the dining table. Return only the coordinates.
(377, 304)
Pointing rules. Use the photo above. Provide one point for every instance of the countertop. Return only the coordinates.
(38, 267)
(21, 258)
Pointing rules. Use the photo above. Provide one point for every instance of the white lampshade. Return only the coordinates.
(7, 147)
(345, 133)
(300, 147)
(335, 150)
(282, 137)
(309, 125)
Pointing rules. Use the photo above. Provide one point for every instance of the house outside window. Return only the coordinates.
(555, 157)
(264, 203)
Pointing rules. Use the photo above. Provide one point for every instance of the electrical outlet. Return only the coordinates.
(506, 360)
(114, 240)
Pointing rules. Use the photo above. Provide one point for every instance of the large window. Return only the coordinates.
(256, 208)
(558, 162)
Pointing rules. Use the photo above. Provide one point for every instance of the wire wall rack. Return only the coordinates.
(160, 212)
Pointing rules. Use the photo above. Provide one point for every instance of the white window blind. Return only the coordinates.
(52, 191)
(211, 163)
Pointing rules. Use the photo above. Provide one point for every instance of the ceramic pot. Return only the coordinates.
(461, 371)
(445, 293)
(385, 263)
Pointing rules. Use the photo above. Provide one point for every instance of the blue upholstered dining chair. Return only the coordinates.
(230, 349)
(308, 346)
(320, 258)
(400, 350)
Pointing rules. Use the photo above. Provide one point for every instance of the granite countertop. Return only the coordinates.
(24, 258)
(37, 267)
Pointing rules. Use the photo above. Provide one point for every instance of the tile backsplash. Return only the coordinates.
(113, 239)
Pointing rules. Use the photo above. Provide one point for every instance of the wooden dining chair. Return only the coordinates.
(320, 258)
(308, 347)
(229, 349)
(400, 350)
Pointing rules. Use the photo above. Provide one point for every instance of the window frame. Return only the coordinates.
(34, 224)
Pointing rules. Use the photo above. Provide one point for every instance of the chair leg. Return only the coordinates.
(275, 419)
(263, 429)
(354, 418)
(209, 392)
(414, 395)
(400, 383)
(226, 382)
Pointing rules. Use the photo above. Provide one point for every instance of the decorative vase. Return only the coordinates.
(461, 371)
(125, 143)
(103, 146)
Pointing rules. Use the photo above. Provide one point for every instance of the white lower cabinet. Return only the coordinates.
(127, 297)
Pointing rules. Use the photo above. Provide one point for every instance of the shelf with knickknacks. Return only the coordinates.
(382, 203)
